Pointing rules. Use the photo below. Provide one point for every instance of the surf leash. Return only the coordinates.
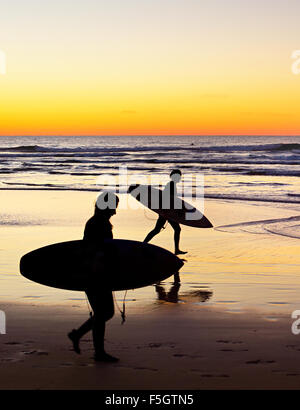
(123, 312)
(154, 219)
(123, 315)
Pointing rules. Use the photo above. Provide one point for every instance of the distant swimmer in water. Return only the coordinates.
(171, 191)
(97, 229)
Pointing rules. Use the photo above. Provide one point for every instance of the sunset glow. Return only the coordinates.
(138, 68)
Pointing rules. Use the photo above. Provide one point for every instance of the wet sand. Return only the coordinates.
(169, 348)
(228, 326)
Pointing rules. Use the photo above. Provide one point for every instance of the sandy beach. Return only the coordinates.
(171, 347)
(228, 325)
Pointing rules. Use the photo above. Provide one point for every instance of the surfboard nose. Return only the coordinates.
(24, 265)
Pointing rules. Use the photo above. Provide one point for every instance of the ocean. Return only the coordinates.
(48, 186)
(246, 168)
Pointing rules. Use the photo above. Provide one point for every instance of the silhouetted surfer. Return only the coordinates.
(97, 229)
(171, 191)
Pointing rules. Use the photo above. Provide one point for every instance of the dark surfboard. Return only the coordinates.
(118, 265)
(174, 208)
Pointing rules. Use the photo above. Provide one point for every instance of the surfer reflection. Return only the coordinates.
(171, 191)
(194, 296)
(97, 229)
(171, 296)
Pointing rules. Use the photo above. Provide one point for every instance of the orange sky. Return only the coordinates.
(150, 68)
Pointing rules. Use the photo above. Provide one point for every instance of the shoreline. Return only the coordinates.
(187, 197)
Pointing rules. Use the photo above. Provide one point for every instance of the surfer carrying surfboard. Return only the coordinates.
(170, 191)
(97, 229)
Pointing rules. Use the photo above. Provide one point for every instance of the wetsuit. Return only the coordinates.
(170, 191)
(97, 229)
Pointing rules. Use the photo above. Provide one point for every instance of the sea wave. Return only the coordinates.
(289, 227)
(243, 168)
(169, 148)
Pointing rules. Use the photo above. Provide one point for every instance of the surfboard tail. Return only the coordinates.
(180, 263)
(208, 224)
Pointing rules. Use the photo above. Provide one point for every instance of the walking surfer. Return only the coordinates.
(171, 192)
(97, 229)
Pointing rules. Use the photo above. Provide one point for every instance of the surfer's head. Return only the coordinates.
(175, 175)
(106, 204)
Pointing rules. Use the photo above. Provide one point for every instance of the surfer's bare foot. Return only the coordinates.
(179, 252)
(105, 357)
(75, 340)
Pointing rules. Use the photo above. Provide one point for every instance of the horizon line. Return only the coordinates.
(151, 135)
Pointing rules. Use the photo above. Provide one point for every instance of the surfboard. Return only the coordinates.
(119, 265)
(174, 208)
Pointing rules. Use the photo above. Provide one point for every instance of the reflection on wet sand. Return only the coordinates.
(194, 296)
